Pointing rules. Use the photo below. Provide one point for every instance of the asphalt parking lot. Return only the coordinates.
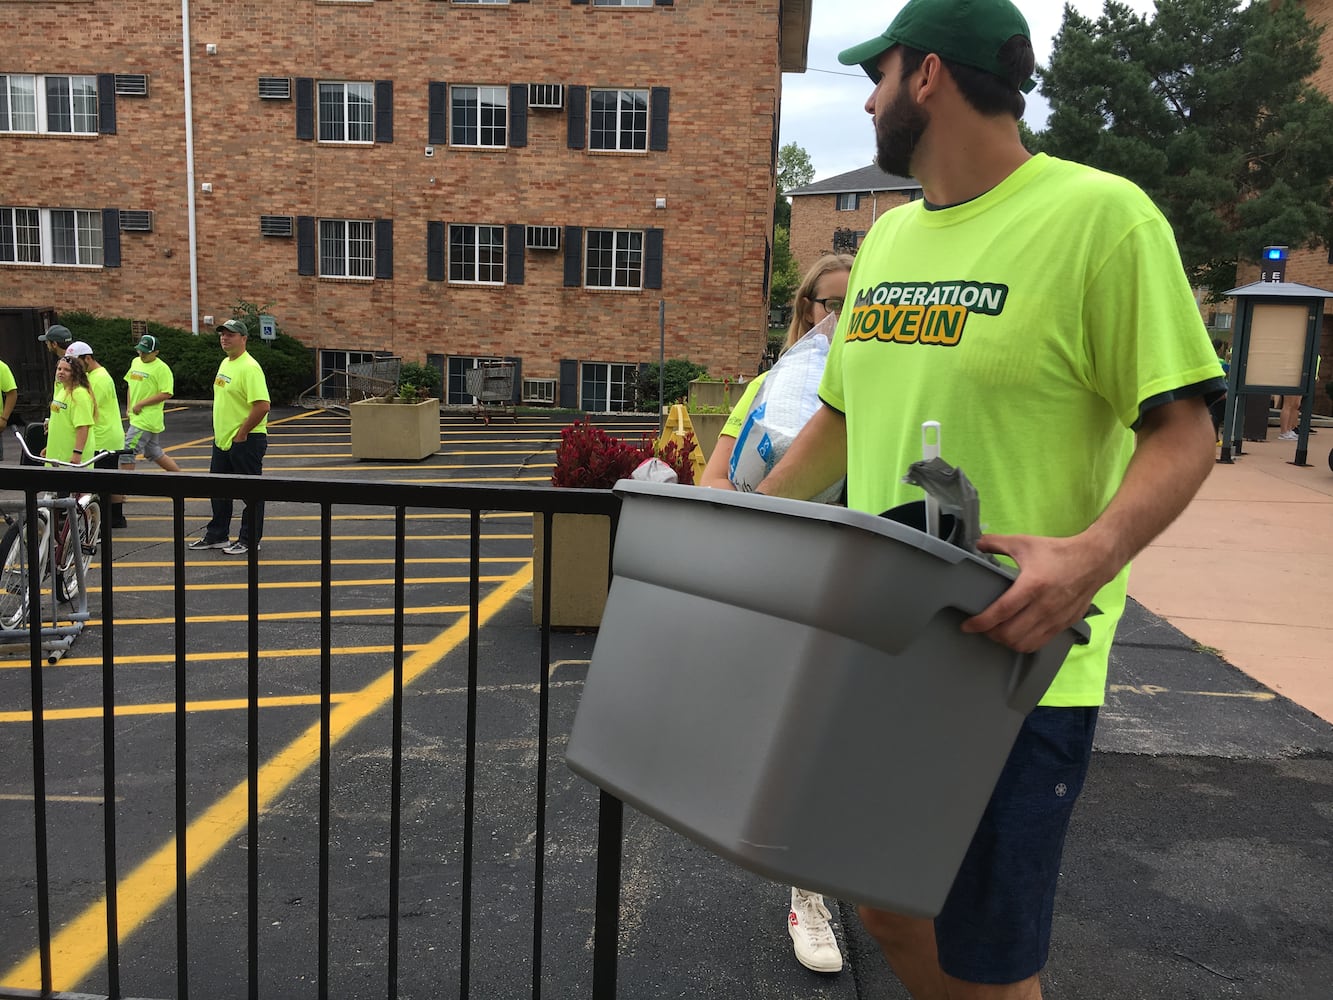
(1200, 862)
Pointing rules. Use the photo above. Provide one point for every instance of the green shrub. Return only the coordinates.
(417, 381)
(678, 374)
(288, 364)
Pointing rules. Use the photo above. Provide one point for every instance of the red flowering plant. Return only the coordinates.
(590, 458)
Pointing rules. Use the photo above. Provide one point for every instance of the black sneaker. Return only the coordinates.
(119, 521)
(199, 544)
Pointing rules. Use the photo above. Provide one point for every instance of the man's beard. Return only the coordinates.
(897, 134)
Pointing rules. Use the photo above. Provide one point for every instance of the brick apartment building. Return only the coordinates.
(443, 180)
(833, 215)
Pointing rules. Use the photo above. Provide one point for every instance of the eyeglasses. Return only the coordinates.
(831, 304)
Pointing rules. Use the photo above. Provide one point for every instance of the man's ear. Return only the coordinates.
(928, 78)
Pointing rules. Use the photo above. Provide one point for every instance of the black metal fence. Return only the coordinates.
(118, 778)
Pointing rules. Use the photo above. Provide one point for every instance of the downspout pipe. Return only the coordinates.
(189, 167)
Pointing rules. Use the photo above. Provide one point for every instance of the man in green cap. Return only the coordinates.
(150, 384)
(1037, 309)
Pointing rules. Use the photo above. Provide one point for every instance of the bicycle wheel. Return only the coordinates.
(88, 517)
(14, 596)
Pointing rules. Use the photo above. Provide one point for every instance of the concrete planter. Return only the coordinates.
(707, 427)
(707, 393)
(580, 568)
(395, 430)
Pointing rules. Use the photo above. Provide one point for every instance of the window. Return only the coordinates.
(346, 112)
(614, 259)
(622, 3)
(59, 104)
(480, 115)
(619, 120)
(483, 1)
(346, 248)
(52, 236)
(334, 367)
(849, 202)
(477, 254)
(608, 388)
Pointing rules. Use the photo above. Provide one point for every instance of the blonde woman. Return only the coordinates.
(73, 413)
(821, 292)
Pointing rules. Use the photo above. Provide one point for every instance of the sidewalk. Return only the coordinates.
(1248, 569)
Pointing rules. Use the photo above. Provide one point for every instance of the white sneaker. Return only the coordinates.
(1287, 436)
(811, 936)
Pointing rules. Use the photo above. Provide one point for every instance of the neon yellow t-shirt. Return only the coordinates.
(736, 419)
(237, 386)
(107, 428)
(146, 379)
(7, 383)
(1031, 322)
(69, 411)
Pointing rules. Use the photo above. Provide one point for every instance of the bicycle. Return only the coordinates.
(74, 547)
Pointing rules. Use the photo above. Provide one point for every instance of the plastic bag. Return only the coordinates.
(654, 471)
(788, 398)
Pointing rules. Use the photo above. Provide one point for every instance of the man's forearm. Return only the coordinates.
(815, 461)
(1173, 456)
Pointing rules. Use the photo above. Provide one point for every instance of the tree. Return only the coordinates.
(795, 169)
(786, 275)
(1209, 108)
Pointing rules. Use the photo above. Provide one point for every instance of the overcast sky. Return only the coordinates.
(822, 107)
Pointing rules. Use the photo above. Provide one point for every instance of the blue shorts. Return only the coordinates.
(996, 923)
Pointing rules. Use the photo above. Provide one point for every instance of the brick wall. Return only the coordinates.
(719, 61)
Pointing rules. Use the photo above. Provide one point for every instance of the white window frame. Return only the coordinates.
(341, 129)
(80, 227)
(456, 367)
(79, 104)
(624, 270)
(621, 387)
(347, 249)
(631, 123)
(622, 3)
(476, 254)
(496, 3)
(848, 201)
(476, 133)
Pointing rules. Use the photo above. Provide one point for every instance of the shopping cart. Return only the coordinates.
(492, 383)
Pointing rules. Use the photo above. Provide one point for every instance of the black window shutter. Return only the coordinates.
(652, 258)
(305, 244)
(111, 237)
(768, 263)
(305, 110)
(384, 248)
(437, 132)
(657, 131)
(518, 115)
(106, 103)
(573, 256)
(666, 3)
(434, 251)
(569, 381)
(514, 245)
(578, 125)
(576, 2)
(384, 111)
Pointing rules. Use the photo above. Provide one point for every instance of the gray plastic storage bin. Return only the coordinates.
(786, 683)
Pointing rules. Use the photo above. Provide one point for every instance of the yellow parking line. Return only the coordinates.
(304, 585)
(388, 561)
(80, 946)
(167, 708)
(151, 659)
(287, 616)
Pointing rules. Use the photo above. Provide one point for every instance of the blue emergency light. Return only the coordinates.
(1274, 264)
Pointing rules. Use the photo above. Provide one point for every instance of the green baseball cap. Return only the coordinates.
(970, 32)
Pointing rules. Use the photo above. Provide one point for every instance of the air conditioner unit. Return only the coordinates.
(132, 84)
(136, 221)
(275, 88)
(539, 390)
(275, 225)
(546, 95)
(542, 238)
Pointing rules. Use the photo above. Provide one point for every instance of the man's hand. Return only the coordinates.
(1056, 582)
